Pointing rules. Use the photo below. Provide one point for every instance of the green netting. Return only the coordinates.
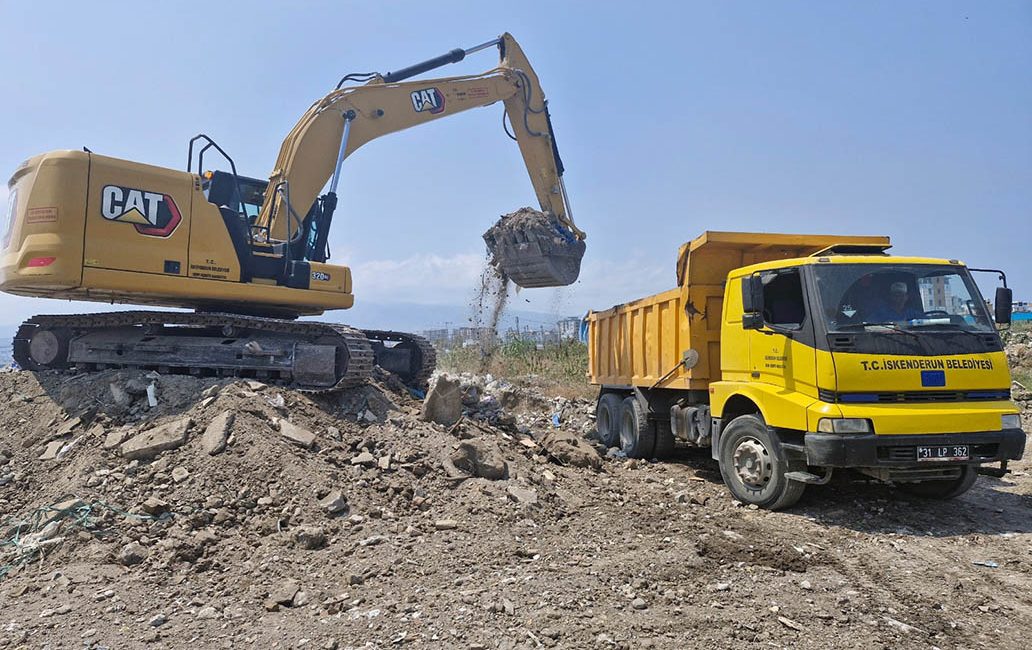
(18, 548)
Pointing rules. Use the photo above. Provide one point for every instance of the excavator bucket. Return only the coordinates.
(533, 249)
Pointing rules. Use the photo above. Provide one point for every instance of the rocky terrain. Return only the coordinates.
(145, 510)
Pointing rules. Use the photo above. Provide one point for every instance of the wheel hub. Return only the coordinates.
(752, 463)
(626, 434)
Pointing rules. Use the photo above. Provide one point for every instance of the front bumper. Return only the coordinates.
(872, 450)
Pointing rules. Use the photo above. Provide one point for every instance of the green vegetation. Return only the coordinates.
(559, 369)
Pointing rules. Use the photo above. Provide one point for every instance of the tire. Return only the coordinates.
(750, 466)
(637, 437)
(664, 440)
(943, 489)
(607, 419)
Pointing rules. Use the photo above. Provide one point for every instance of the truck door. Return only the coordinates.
(783, 353)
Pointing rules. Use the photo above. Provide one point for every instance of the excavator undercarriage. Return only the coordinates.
(309, 356)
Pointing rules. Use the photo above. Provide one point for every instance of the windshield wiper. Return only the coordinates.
(889, 324)
(956, 329)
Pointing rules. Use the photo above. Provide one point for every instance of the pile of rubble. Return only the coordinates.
(138, 508)
(146, 474)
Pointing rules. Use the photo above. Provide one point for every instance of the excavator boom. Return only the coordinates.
(345, 119)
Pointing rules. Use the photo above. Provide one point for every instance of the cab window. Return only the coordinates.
(783, 304)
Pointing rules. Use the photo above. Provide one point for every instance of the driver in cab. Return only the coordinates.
(895, 307)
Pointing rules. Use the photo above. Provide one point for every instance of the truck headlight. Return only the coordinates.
(844, 425)
(1010, 421)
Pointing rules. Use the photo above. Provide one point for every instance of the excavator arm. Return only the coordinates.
(347, 118)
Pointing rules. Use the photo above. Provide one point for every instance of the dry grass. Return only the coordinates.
(558, 370)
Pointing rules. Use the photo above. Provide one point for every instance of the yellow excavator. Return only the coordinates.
(249, 256)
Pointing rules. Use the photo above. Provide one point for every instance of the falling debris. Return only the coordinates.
(488, 306)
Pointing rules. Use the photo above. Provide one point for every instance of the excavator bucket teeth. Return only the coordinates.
(534, 250)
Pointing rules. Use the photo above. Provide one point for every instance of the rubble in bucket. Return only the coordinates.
(533, 249)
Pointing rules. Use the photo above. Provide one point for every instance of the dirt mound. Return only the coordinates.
(252, 516)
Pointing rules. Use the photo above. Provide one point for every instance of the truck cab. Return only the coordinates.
(844, 357)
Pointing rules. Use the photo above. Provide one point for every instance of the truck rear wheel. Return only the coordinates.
(637, 435)
(607, 419)
(947, 489)
(751, 468)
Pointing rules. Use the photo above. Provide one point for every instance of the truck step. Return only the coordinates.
(808, 478)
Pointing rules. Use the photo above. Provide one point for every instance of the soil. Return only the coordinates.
(367, 538)
(519, 221)
(533, 249)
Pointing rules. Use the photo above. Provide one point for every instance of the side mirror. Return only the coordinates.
(1004, 305)
(752, 295)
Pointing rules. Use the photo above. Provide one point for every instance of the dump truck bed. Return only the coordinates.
(643, 343)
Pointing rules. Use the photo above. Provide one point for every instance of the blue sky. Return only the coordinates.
(908, 119)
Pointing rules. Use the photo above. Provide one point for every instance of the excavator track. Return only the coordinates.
(412, 358)
(309, 356)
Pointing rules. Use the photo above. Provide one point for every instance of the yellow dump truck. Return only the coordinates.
(792, 355)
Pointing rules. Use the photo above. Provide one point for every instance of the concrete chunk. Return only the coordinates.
(297, 435)
(50, 453)
(364, 458)
(152, 442)
(67, 427)
(476, 458)
(217, 433)
(443, 403)
(115, 437)
(334, 503)
(526, 496)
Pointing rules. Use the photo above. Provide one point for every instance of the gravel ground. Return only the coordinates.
(342, 522)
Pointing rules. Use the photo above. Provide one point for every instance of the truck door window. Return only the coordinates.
(783, 305)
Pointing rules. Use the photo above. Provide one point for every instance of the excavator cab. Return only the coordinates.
(239, 199)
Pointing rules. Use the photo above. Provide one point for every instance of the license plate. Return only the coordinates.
(943, 452)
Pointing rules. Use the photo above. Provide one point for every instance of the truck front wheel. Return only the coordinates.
(943, 489)
(751, 468)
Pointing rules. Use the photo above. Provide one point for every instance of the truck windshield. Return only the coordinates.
(904, 296)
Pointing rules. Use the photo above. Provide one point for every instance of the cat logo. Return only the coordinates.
(152, 213)
(428, 99)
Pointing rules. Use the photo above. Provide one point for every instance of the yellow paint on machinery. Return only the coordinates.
(792, 355)
(101, 259)
(638, 343)
(248, 255)
(90, 227)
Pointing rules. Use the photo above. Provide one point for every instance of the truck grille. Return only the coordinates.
(915, 396)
